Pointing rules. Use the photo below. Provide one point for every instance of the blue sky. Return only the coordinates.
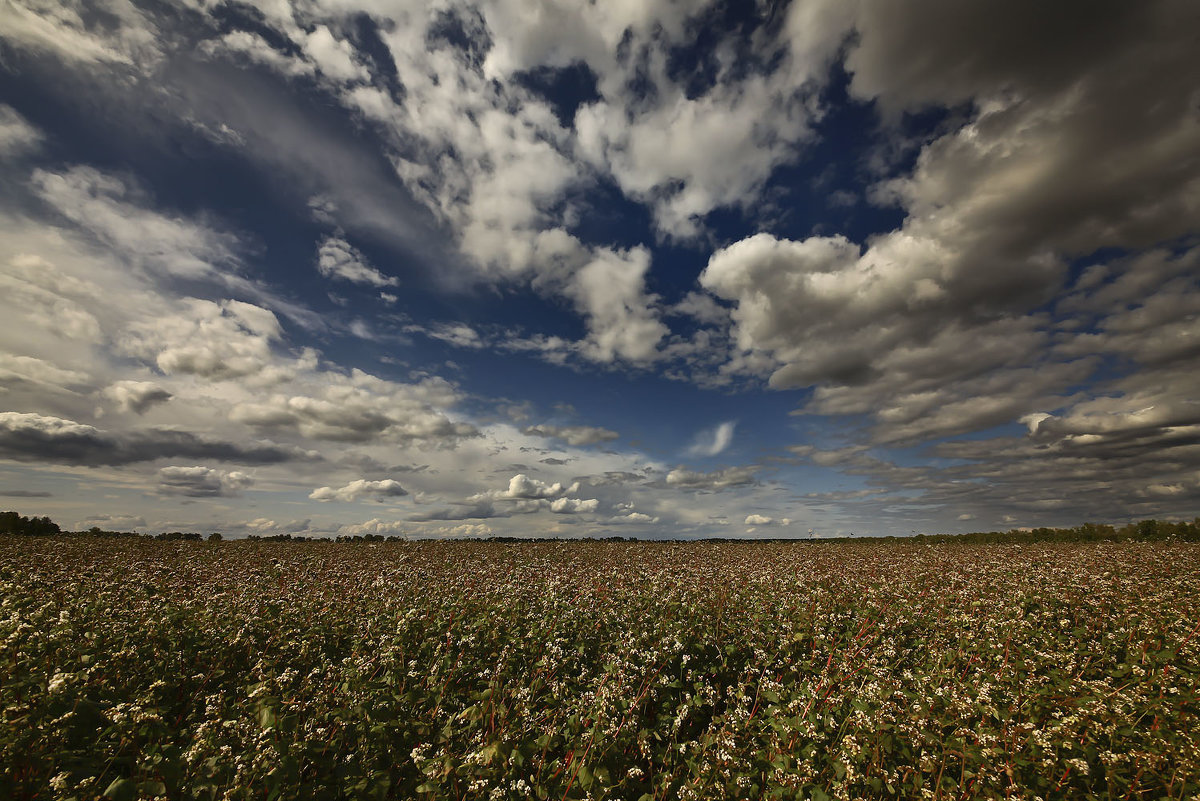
(663, 269)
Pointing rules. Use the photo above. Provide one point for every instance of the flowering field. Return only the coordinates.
(470, 670)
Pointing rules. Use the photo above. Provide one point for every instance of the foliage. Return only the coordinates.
(13, 523)
(473, 670)
(1142, 531)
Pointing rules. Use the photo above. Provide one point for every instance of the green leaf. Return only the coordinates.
(153, 788)
(585, 777)
(121, 790)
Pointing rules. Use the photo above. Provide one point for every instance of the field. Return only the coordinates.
(471, 670)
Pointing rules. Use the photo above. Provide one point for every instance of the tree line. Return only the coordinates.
(12, 523)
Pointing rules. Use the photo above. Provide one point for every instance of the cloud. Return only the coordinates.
(336, 258)
(657, 136)
(576, 436)
(488, 159)
(360, 407)
(335, 57)
(161, 246)
(460, 335)
(715, 480)
(828, 458)
(39, 371)
(112, 210)
(17, 136)
(522, 487)
(759, 520)
(571, 506)
(27, 437)
(45, 295)
(997, 205)
(361, 488)
(112, 522)
(70, 33)
(712, 441)
(375, 526)
(136, 396)
(220, 341)
(202, 482)
(265, 527)
(523, 495)
(474, 510)
(702, 308)
(396, 528)
(610, 291)
(633, 517)
(462, 530)
(1060, 137)
(616, 478)
(254, 48)
(18, 493)
(1132, 454)
(970, 51)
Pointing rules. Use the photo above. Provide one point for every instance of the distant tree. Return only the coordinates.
(215, 537)
(13, 523)
(1148, 529)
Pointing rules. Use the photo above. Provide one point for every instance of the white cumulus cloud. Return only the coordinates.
(361, 488)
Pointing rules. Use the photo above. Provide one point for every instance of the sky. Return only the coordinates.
(627, 268)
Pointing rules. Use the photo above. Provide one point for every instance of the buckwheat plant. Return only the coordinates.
(597, 670)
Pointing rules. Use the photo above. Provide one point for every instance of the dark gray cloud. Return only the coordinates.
(573, 435)
(1096, 464)
(943, 326)
(613, 478)
(38, 438)
(476, 510)
(726, 478)
(202, 482)
(988, 47)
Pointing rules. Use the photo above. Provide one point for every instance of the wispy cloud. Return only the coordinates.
(712, 441)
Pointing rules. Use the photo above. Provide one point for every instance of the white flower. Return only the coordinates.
(1079, 765)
